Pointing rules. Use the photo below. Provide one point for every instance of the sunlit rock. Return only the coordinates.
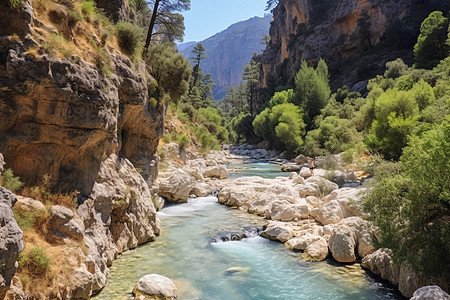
(154, 286)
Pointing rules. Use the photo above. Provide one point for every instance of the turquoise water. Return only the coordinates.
(260, 269)
(262, 169)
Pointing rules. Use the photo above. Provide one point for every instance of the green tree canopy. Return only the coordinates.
(312, 90)
(410, 203)
(170, 69)
(431, 45)
(166, 20)
(282, 126)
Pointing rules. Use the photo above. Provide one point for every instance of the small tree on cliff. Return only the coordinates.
(167, 19)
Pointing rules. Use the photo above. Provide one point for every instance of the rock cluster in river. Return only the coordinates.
(312, 214)
(197, 177)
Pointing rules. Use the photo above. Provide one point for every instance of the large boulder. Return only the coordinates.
(156, 287)
(364, 233)
(11, 240)
(430, 293)
(316, 251)
(330, 213)
(290, 167)
(408, 281)
(278, 231)
(380, 263)
(217, 171)
(63, 223)
(302, 242)
(342, 244)
(177, 187)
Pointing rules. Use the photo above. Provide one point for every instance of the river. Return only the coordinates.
(254, 268)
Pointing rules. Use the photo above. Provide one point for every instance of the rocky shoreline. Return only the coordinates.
(308, 213)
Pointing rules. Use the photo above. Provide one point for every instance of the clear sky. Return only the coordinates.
(207, 17)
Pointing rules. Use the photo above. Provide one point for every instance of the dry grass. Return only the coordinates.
(76, 25)
(63, 259)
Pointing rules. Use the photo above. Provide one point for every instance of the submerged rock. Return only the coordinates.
(154, 286)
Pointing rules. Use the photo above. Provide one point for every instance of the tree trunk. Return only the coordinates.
(150, 27)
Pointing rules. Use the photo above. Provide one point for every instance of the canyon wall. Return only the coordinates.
(355, 37)
(65, 120)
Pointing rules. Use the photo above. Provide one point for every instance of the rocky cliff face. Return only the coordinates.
(355, 37)
(11, 242)
(86, 130)
(230, 50)
(115, 9)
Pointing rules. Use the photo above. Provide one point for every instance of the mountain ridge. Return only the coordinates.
(230, 50)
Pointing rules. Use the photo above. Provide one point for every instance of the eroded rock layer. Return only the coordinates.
(359, 36)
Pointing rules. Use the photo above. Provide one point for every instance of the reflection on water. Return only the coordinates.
(253, 268)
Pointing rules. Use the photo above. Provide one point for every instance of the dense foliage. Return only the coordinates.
(410, 202)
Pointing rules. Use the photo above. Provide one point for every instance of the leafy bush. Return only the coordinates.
(410, 202)
(15, 3)
(9, 181)
(128, 37)
(88, 8)
(282, 126)
(34, 261)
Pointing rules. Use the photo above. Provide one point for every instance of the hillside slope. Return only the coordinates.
(230, 50)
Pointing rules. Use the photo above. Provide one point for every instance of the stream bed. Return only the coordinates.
(253, 268)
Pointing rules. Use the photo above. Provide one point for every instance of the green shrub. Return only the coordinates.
(10, 182)
(183, 142)
(128, 37)
(410, 203)
(166, 138)
(27, 220)
(88, 8)
(15, 3)
(35, 261)
(152, 102)
(347, 156)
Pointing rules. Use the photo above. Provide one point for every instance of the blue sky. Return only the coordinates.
(208, 17)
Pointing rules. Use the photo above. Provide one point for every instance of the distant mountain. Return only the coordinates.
(183, 46)
(229, 51)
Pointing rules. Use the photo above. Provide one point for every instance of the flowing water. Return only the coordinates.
(253, 268)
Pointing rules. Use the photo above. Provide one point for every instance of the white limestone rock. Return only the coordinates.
(430, 293)
(317, 251)
(154, 286)
(342, 244)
